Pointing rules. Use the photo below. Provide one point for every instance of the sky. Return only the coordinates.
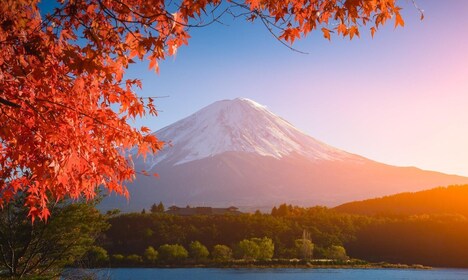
(400, 98)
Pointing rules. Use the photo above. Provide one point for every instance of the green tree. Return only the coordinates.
(172, 253)
(304, 248)
(157, 208)
(161, 207)
(151, 255)
(247, 249)
(198, 251)
(221, 253)
(274, 211)
(336, 253)
(97, 256)
(44, 248)
(154, 208)
(283, 210)
(266, 248)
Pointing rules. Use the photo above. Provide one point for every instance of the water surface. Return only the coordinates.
(279, 274)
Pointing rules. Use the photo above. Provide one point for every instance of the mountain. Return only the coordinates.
(239, 125)
(236, 152)
(452, 200)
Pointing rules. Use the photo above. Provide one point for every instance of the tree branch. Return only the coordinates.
(9, 103)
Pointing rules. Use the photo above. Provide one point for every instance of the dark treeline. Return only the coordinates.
(435, 240)
(133, 233)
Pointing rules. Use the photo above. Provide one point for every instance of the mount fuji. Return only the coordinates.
(236, 152)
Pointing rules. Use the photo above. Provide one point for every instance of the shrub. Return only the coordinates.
(134, 259)
(172, 253)
(221, 253)
(151, 255)
(198, 251)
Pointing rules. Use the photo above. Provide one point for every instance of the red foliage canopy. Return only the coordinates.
(61, 78)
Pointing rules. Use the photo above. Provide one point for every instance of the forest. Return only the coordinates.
(434, 239)
(133, 233)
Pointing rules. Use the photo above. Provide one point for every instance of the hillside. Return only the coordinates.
(441, 200)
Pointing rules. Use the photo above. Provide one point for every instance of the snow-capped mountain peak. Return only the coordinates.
(236, 152)
(238, 125)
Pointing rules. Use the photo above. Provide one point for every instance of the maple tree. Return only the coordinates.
(65, 106)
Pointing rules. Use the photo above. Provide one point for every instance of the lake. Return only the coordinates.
(278, 274)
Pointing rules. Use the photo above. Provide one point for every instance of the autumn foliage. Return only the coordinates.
(65, 106)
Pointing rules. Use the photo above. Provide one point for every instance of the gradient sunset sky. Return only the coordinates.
(400, 98)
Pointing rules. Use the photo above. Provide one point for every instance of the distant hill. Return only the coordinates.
(442, 200)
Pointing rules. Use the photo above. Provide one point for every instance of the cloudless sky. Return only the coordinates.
(400, 98)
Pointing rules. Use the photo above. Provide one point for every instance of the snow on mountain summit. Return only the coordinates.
(238, 125)
(236, 152)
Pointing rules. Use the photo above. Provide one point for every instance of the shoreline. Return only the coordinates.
(273, 264)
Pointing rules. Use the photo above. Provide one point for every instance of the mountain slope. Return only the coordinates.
(239, 125)
(236, 152)
(442, 200)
